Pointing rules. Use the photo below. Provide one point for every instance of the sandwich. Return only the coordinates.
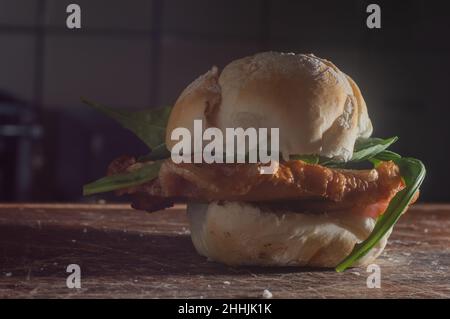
(332, 196)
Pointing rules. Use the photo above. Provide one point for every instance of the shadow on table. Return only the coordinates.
(47, 250)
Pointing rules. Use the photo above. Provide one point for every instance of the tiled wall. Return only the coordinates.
(143, 53)
(167, 43)
(17, 61)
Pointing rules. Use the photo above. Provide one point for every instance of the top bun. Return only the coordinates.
(317, 108)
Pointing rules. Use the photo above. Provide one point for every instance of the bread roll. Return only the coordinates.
(317, 108)
(237, 233)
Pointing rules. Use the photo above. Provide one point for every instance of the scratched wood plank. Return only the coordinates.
(125, 253)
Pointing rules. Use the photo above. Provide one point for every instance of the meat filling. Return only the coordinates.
(295, 185)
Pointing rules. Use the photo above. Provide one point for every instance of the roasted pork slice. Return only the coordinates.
(291, 180)
(309, 187)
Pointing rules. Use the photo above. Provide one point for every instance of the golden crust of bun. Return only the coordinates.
(237, 233)
(318, 108)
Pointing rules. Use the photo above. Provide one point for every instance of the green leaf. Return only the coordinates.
(366, 148)
(413, 172)
(148, 125)
(310, 159)
(384, 156)
(136, 177)
(388, 156)
(157, 153)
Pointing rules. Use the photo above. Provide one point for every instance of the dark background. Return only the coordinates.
(139, 54)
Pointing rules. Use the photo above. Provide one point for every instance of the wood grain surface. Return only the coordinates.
(130, 254)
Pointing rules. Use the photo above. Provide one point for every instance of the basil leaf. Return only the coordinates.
(413, 172)
(148, 125)
(136, 177)
(366, 148)
(388, 156)
(157, 153)
(310, 159)
(329, 162)
(384, 156)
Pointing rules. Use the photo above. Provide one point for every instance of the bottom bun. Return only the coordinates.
(237, 233)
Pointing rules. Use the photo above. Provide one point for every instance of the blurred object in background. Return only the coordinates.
(19, 132)
(142, 53)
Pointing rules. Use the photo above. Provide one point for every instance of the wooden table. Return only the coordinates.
(126, 253)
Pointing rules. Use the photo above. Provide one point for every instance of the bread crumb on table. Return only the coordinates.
(267, 294)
